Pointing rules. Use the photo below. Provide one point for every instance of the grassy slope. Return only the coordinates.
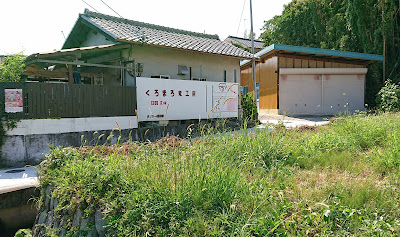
(340, 179)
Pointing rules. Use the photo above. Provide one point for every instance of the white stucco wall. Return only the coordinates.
(165, 61)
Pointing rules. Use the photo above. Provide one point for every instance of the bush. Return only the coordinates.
(388, 98)
(249, 107)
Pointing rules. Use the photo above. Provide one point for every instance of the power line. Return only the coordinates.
(62, 32)
(241, 15)
(111, 8)
(89, 6)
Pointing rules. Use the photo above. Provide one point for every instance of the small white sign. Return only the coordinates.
(173, 99)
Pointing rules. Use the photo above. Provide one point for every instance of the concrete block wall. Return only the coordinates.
(21, 148)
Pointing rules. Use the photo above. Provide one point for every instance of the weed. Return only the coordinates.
(340, 179)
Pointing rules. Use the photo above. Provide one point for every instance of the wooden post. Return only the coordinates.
(70, 74)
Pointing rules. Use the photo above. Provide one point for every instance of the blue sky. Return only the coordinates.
(37, 26)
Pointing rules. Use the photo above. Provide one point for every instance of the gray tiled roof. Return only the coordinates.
(246, 42)
(133, 31)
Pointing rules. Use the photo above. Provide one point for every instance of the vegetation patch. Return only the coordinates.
(339, 179)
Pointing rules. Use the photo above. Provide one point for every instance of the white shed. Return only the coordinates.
(308, 81)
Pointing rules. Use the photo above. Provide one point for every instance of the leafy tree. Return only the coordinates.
(270, 33)
(12, 67)
(350, 25)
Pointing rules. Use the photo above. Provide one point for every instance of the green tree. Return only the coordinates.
(352, 25)
(12, 67)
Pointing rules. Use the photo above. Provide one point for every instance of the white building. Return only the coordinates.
(157, 51)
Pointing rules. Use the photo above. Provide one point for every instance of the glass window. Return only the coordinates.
(244, 90)
(224, 75)
(258, 90)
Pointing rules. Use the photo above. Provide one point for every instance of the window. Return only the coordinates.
(258, 90)
(224, 75)
(182, 70)
(97, 81)
(244, 90)
(234, 76)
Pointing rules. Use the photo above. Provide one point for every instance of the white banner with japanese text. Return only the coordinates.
(173, 99)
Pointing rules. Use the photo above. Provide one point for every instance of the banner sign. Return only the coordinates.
(173, 99)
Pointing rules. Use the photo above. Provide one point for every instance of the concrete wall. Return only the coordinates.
(30, 149)
(31, 139)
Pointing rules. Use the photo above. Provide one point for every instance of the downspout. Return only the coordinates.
(122, 70)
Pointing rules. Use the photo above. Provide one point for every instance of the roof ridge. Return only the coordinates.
(230, 36)
(87, 12)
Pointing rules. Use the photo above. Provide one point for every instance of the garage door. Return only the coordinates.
(316, 91)
(300, 94)
(343, 92)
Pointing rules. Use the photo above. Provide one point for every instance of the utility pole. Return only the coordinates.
(384, 48)
(253, 64)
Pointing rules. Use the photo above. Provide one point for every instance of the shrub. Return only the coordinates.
(249, 107)
(387, 98)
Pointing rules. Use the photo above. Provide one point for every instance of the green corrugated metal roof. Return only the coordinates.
(317, 52)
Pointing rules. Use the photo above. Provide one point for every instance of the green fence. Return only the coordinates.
(50, 100)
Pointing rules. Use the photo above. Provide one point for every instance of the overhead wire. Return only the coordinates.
(89, 6)
(111, 8)
(241, 15)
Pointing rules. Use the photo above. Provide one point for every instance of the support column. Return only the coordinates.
(70, 74)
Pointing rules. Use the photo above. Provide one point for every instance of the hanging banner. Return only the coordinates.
(173, 99)
(13, 100)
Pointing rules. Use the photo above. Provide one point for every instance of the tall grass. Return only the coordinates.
(340, 179)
